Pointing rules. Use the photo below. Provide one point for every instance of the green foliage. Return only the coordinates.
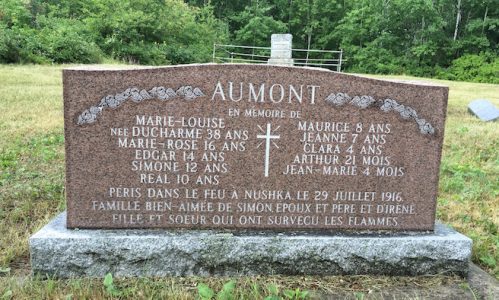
(7, 295)
(205, 292)
(66, 41)
(150, 32)
(274, 293)
(475, 68)
(10, 45)
(273, 289)
(296, 294)
(359, 296)
(4, 271)
(226, 293)
(57, 41)
(14, 13)
(85, 31)
(374, 60)
(256, 25)
(109, 285)
(31, 181)
(417, 37)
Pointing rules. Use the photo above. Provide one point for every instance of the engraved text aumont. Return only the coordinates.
(265, 93)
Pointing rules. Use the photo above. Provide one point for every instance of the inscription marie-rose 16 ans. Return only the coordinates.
(188, 169)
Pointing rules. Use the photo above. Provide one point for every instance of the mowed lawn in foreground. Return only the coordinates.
(32, 170)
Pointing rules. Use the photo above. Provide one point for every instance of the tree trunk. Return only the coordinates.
(485, 18)
(422, 29)
(309, 38)
(308, 44)
(458, 18)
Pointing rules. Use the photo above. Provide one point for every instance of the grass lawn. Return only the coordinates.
(32, 192)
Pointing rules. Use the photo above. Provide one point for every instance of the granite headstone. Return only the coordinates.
(250, 147)
(276, 161)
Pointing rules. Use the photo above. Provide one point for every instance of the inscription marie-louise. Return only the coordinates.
(270, 158)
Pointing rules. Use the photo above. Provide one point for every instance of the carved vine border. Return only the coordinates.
(386, 105)
(90, 115)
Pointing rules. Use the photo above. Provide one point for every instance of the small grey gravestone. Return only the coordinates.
(484, 110)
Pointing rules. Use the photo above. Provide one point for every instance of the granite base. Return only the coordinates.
(61, 252)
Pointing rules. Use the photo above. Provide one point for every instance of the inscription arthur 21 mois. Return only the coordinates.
(250, 146)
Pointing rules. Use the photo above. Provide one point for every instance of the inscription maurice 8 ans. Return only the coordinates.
(172, 153)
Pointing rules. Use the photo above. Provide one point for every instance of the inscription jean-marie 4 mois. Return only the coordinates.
(253, 149)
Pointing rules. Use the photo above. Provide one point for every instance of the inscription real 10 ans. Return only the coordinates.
(167, 151)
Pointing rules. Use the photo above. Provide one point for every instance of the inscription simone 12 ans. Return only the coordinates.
(269, 160)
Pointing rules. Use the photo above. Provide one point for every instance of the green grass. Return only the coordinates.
(281, 287)
(32, 192)
(469, 174)
(31, 156)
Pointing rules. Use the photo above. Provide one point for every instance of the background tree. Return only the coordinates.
(453, 39)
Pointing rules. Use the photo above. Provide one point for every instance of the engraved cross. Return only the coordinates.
(268, 136)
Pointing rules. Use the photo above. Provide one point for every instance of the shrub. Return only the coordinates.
(155, 33)
(375, 60)
(21, 45)
(67, 41)
(140, 52)
(57, 41)
(472, 67)
(9, 46)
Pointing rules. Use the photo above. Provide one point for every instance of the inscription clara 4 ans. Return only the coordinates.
(278, 153)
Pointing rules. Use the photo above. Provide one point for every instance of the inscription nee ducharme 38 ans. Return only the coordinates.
(180, 160)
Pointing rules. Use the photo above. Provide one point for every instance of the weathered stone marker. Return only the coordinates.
(281, 49)
(484, 110)
(253, 147)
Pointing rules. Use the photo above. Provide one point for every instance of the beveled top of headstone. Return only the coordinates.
(250, 146)
(484, 110)
(286, 38)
